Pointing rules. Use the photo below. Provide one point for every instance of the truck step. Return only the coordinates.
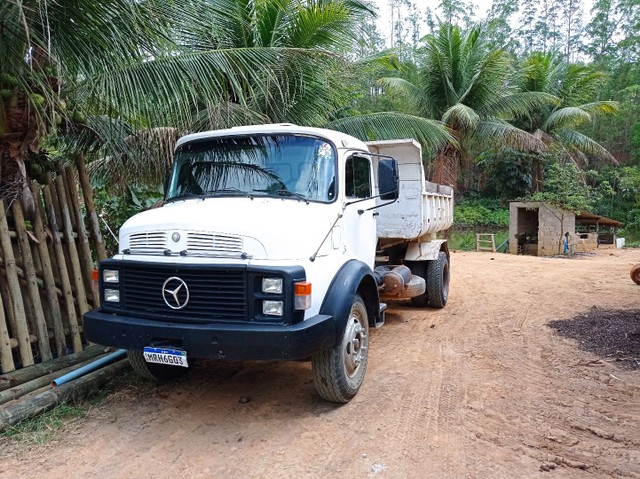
(380, 322)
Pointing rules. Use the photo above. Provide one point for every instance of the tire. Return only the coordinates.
(339, 372)
(438, 281)
(151, 371)
(635, 274)
(419, 268)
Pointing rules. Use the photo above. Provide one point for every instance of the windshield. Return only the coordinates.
(287, 166)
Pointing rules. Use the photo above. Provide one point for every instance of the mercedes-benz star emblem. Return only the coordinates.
(175, 293)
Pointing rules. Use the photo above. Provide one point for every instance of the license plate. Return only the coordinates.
(170, 357)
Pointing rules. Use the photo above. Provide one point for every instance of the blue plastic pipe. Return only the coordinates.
(87, 368)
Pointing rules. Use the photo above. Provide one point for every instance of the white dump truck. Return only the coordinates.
(275, 242)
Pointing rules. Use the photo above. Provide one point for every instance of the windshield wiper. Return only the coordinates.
(186, 196)
(292, 194)
(231, 190)
(209, 194)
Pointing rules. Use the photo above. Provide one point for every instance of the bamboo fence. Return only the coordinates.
(46, 264)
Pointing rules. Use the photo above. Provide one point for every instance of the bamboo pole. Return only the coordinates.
(83, 240)
(62, 269)
(32, 283)
(40, 381)
(14, 342)
(22, 332)
(64, 197)
(6, 299)
(87, 193)
(24, 375)
(48, 278)
(81, 294)
(13, 413)
(6, 354)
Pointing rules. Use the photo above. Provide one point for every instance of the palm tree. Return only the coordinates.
(575, 86)
(464, 85)
(98, 73)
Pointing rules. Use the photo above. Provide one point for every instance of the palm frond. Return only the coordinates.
(404, 88)
(498, 134)
(579, 141)
(518, 104)
(569, 117)
(461, 118)
(389, 125)
(601, 107)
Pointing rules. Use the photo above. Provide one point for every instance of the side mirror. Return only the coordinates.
(388, 179)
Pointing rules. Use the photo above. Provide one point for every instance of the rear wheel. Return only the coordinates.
(438, 281)
(152, 371)
(339, 372)
(635, 273)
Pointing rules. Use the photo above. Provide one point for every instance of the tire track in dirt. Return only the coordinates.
(425, 426)
(488, 392)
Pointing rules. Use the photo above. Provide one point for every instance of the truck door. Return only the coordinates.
(359, 224)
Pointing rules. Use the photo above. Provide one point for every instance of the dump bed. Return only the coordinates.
(423, 208)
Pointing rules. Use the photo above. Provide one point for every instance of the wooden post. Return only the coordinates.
(6, 355)
(32, 282)
(64, 197)
(81, 294)
(48, 277)
(83, 240)
(62, 269)
(5, 293)
(22, 332)
(87, 192)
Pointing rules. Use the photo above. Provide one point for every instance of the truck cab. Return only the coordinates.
(265, 248)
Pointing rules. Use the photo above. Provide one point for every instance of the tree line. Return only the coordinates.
(501, 108)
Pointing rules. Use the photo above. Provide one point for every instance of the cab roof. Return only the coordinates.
(341, 140)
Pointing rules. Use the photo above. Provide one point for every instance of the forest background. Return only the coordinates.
(537, 99)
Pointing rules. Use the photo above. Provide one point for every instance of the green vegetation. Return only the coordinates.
(480, 212)
(528, 104)
(41, 429)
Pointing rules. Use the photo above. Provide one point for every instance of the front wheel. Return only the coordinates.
(339, 372)
(152, 371)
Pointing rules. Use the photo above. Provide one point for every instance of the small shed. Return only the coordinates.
(540, 229)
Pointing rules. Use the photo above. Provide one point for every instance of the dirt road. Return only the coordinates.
(481, 389)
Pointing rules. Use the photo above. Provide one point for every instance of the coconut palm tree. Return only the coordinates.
(464, 85)
(98, 73)
(576, 86)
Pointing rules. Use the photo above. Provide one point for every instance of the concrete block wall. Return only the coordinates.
(553, 223)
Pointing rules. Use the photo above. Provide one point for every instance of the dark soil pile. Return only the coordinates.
(611, 334)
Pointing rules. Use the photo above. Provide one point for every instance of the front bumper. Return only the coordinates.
(248, 341)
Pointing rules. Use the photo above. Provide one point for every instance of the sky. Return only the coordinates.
(482, 8)
(384, 18)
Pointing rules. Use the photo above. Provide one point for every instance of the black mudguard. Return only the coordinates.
(355, 277)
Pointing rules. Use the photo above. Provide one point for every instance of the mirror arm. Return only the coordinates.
(377, 206)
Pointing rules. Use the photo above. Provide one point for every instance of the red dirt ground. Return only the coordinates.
(484, 388)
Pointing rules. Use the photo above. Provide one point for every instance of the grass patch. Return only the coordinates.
(466, 240)
(41, 429)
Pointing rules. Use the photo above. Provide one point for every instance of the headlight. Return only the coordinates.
(112, 295)
(111, 276)
(272, 285)
(272, 308)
